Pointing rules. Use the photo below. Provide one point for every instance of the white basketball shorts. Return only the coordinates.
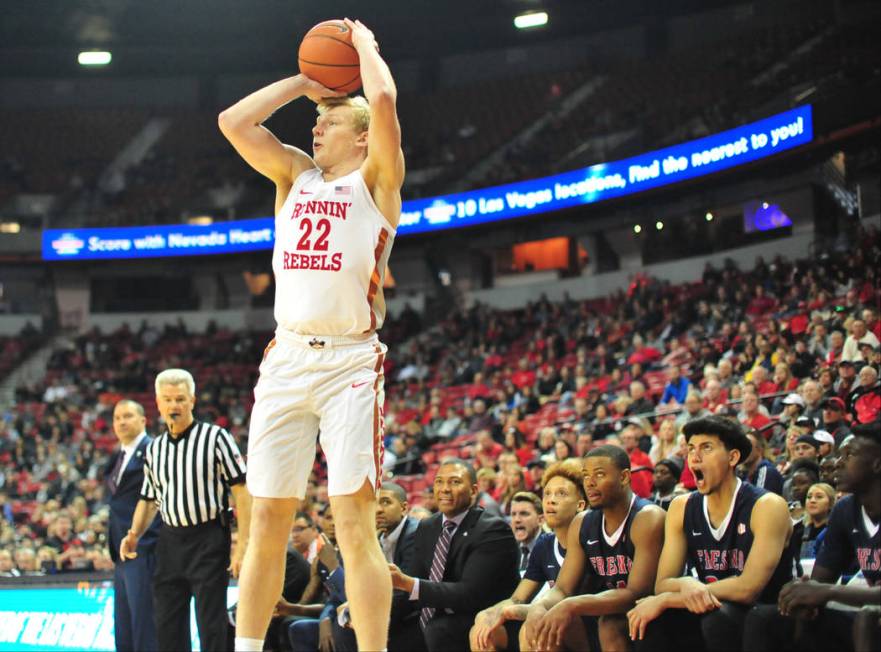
(310, 385)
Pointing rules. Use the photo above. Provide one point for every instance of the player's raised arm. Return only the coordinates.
(385, 160)
(242, 124)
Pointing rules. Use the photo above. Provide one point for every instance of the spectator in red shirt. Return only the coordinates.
(478, 388)
(873, 323)
(524, 375)
(750, 415)
(761, 303)
(642, 354)
(714, 396)
(515, 442)
(866, 399)
(486, 447)
(760, 380)
(641, 467)
(836, 347)
(782, 380)
(493, 360)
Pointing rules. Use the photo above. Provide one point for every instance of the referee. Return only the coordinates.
(188, 475)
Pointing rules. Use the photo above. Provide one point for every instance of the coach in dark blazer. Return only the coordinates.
(465, 560)
(134, 628)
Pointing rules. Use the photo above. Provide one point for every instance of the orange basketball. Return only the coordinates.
(328, 56)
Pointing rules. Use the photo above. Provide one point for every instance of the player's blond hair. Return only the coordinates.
(360, 109)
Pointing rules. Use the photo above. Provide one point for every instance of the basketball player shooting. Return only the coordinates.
(336, 214)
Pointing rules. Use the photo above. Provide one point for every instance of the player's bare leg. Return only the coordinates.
(613, 632)
(368, 582)
(262, 576)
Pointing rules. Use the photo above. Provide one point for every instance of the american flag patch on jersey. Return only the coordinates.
(342, 190)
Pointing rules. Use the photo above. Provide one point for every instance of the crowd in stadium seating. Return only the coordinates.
(511, 390)
(655, 103)
(192, 171)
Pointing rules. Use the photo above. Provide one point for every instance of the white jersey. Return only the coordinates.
(331, 250)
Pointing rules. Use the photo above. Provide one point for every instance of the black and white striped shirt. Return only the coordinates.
(189, 476)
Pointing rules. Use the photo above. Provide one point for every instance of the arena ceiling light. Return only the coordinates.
(659, 225)
(10, 227)
(536, 19)
(709, 217)
(94, 58)
(201, 220)
(637, 229)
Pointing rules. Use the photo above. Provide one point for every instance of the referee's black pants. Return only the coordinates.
(191, 562)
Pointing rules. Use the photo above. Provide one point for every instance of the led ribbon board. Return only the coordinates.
(159, 241)
(67, 618)
(696, 158)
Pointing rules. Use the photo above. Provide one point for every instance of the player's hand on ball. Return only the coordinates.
(316, 91)
(362, 37)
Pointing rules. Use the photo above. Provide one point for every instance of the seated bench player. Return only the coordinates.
(498, 627)
(852, 541)
(734, 535)
(611, 561)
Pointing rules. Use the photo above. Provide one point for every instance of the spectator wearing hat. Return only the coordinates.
(757, 469)
(664, 482)
(802, 473)
(827, 442)
(859, 334)
(805, 424)
(870, 355)
(793, 407)
(833, 419)
(846, 382)
(865, 401)
(806, 447)
(535, 470)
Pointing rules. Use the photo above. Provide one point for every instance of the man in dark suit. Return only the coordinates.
(132, 581)
(465, 560)
(397, 539)
(397, 536)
